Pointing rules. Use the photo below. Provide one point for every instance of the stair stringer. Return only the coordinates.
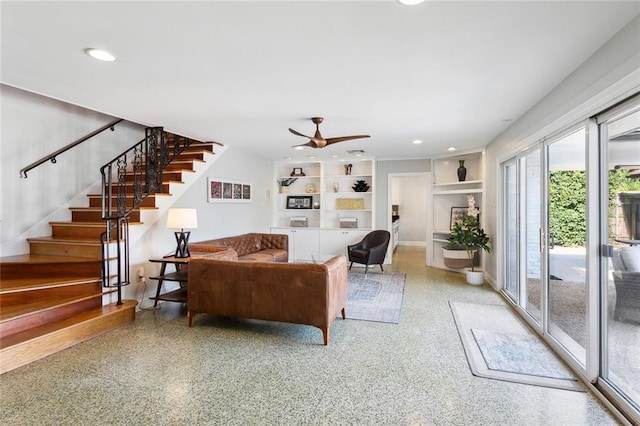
(20, 245)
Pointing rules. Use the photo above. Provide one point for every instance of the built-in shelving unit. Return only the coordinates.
(448, 192)
(330, 184)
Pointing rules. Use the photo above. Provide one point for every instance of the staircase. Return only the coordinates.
(52, 298)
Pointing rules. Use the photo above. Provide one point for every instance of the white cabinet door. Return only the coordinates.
(303, 243)
(306, 244)
(335, 241)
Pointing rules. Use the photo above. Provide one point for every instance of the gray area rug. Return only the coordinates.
(375, 296)
(499, 346)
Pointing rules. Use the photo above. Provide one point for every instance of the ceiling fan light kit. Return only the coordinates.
(317, 141)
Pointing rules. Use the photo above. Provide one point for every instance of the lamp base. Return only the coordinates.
(182, 239)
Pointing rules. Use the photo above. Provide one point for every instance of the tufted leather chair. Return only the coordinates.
(371, 250)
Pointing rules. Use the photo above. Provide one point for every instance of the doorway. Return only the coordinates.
(407, 191)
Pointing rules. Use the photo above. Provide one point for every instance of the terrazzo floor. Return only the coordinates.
(157, 371)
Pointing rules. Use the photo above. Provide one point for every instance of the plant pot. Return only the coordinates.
(456, 259)
(475, 277)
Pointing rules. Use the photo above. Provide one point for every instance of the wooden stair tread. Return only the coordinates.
(24, 284)
(42, 258)
(87, 224)
(77, 319)
(65, 240)
(24, 309)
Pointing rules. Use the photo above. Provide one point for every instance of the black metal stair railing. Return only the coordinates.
(133, 175)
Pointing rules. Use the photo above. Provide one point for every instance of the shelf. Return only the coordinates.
(346, 176)
(348, 193)
(466, 182)
(459, 191)
(440, 240)
(179, 295)
(299, 194)
(348, 210)
(299, 177)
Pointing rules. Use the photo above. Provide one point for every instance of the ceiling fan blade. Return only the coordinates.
(297, 133)
(345, 138)
(310, 144)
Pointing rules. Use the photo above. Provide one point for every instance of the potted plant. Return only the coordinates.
(469, 236)
(284, 184)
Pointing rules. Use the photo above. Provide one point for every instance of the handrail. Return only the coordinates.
(52, 157)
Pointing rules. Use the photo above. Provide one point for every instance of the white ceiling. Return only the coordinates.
(241, 73)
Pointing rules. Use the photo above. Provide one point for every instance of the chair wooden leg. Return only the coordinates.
(350, 265)
(366, 268)
(344, 314)
(381, 267)
(191, 316)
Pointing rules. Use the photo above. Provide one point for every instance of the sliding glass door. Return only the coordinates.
(566, 251)
(571, 238)
(620, 351)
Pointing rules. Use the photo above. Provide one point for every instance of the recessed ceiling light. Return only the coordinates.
(334, 156)
(312, 156)
(410, 2)
(451, 148)
(299, 148)
(416, 141)
(288, 158)
(101, 55)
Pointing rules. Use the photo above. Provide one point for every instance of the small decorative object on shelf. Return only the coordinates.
(310, 188)
(361, 186)
(336, 187)
(284, 184)
(316, 205)
(347, 169)
(297, 171)
(462, 171)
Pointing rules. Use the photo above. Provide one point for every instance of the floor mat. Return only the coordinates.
(499, 346)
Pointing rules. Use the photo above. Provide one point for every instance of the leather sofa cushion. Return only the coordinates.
(269, 255)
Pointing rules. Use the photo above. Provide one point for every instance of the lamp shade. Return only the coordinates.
(182, 218)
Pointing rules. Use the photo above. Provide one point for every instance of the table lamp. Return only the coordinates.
(181, 219)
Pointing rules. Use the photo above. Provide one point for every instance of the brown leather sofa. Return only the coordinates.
(253, 247)
(299, 293)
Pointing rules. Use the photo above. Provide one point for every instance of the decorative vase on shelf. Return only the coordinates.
(336, 187)
(462, 171)
(360, 186)
(310, 188)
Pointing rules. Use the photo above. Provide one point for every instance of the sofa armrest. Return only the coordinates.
(337, 285)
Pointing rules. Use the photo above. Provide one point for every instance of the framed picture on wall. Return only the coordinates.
(225, 190)
(457, 213)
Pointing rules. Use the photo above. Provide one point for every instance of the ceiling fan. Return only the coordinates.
(317, 141)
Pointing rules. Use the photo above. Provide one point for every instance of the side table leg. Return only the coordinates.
(163, 268)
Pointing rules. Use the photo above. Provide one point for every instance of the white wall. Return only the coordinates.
(608, 76)
(32, 127)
